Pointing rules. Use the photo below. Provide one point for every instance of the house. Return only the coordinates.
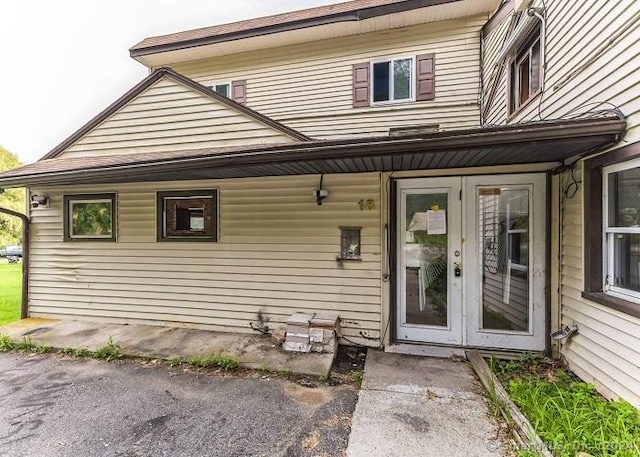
(443, 174)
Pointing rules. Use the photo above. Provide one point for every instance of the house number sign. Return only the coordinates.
(367, 205)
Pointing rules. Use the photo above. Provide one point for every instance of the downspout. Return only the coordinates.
(25, 259)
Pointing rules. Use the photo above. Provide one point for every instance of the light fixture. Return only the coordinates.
(565, 332)
(39, 200)
(320, 193)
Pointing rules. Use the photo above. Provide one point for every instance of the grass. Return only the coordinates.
(10, 292)
(356, 375)
(108, 352)
(225, 362)
(568, 414)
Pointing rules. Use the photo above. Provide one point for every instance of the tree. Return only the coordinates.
(15, 199)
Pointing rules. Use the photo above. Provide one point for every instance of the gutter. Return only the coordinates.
(24, 310)
(327, 19)
(440, 143)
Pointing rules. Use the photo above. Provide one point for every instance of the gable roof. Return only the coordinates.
(150, 80)
(356, 10)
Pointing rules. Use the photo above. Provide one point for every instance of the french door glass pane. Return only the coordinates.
(402, 79)
(425, 250)
(505, 245)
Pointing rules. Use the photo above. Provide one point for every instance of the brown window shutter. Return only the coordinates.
(361, 84)
(426, 77)
(239, 91)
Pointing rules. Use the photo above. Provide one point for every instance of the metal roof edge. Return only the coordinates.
(357, 14)
(610, 128)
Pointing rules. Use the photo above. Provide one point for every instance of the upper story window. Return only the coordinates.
(525, 72)
(393, 80)
(400, 79)
(235, 90)
(223, 89)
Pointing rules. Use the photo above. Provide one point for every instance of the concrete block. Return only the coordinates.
(278, 336)
(299, 319)
(316, 335)
(296, 346)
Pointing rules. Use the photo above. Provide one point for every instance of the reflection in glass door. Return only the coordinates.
(429, 292)
(504, 236)
(426, 259)
(505, 295)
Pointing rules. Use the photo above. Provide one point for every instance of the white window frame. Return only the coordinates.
(513, 95)
(212, 86)
(609, 233)
(412, 82)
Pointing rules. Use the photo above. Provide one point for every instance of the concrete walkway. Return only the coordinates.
(250, 350)
(420, 406)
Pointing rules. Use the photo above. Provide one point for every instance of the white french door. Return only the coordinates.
(429, 240)
(471, 261)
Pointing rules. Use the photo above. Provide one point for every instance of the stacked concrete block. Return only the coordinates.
(312, 332)
(324, 330)
(297, 338)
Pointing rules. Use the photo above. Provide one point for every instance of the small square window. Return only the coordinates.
(188, 215)
(89, 217)
(525, 72)
(393, 80)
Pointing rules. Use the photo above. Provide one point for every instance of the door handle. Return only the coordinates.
(457, 269)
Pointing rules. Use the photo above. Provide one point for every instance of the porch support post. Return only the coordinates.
(25, 259)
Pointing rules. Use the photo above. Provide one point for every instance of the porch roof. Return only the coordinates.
(535, 142)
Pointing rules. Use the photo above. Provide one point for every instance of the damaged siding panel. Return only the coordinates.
(169, 116)
(606, 350)
(277, 253)
(309, 87)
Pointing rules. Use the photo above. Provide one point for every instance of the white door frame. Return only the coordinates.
(452, 333)
(534, 338)
(465, 292)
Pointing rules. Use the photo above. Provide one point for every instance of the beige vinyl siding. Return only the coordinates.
(277, 253)
(169, 116)
(606, 350)
(611, 80)
(309, 86)
(494, 103)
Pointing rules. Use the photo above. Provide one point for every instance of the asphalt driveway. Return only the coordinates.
(56, 406)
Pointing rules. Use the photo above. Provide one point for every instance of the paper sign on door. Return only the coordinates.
(436, 222)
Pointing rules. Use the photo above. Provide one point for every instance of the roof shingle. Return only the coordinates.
(301, 16)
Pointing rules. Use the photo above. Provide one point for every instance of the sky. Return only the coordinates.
(64, 61)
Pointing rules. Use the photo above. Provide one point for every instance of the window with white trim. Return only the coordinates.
(621, 201)
(393, 80)
(223, 89)
(525, 77)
